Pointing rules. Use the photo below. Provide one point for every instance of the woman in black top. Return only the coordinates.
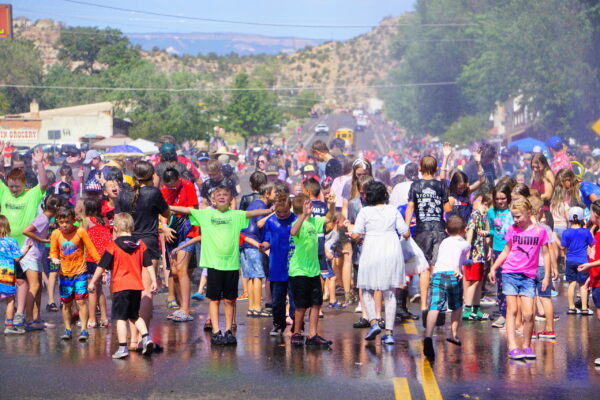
(145, 203)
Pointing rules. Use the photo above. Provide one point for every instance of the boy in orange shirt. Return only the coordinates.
(68, 245)
(126, 257)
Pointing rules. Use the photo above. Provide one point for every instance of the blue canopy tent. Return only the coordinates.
(527, 144)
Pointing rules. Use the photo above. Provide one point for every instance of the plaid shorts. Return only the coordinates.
(445, 289)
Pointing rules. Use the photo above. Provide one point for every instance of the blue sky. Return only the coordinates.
(300, 12)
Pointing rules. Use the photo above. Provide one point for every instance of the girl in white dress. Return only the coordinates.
(381, 265)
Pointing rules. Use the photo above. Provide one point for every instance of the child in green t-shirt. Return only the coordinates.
(305, 270)
(220, 254)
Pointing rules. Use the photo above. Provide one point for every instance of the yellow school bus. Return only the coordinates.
(347, 135)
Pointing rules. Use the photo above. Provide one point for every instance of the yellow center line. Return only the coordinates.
(401, 389)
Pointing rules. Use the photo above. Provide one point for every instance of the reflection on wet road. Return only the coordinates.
(39, 364)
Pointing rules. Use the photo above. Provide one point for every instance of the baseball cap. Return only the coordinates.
(90, 155)
(576, 214)
(308, 168)
(73, 152)
(272, 170)
(203, 155)
(537, 149)
(168, 152)
(555, 142)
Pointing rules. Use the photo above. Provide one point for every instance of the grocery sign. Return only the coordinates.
(17, 135)
(5, 21)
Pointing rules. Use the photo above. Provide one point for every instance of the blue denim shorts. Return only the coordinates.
(515, 284)
(252, 263)
(538, 284)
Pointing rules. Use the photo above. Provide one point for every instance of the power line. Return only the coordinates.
(254, 23)
(272, 89)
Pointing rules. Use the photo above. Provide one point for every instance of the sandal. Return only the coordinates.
(179, 316)
(262, 313)
(92, 325)
(572, 311)
(252, 313)
(104, 324)
(454, 341)
(52, 307)
(172, 304)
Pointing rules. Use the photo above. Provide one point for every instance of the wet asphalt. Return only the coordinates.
(40, 365)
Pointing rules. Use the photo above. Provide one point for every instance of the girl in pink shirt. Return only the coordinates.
(519, 260)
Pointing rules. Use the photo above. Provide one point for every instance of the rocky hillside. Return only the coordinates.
(350, 64)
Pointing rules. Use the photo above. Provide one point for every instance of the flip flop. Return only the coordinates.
(454, 341)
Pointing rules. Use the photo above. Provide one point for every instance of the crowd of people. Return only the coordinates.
(453, 229)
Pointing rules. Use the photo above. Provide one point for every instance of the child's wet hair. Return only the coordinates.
(65, 213)
(455, 225)
(298, 203)
(123, 222)
(312, 186)
(428, 165)
(522, 205)
(595, 207)
(536, 203)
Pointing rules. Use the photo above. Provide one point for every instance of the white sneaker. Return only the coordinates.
(499, 322)
(597, 362)
(358, 309)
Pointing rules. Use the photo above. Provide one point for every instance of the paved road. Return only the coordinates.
(39, 365)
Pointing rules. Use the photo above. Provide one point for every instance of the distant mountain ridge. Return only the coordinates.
(220, 43)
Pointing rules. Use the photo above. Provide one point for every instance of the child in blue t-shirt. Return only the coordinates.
(276, 236)
(576, 240)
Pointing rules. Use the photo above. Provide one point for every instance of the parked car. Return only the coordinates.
(321, 129)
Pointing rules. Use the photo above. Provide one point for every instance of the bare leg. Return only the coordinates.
(583, 293)
(571, 295)
(527, 318)
(330, 283)
(10, 307)
(229, 310)
(33, 280)
(22, 291)
(548, 308)
(313, 320)
(181, 270)
(431, 319)
(213, 314)
(511, 316)
(145, 305)
(455, 323)
(101, 297)
(298, 319)
(83, 313)
(66, 315)
(51, 286)
(424, 286)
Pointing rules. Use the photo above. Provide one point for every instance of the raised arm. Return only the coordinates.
(480, 171)
(306, 213)
(447, 151)
(38, 159)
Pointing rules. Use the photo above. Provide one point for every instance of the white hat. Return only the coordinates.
(576, 214)
(596, 152)
(537, 149)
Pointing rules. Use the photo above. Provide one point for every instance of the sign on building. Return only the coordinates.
(6, 21)
(19, 135)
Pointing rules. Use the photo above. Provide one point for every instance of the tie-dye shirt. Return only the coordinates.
(70, 249)
(9, 250)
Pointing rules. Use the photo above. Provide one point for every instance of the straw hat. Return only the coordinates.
(222, 150)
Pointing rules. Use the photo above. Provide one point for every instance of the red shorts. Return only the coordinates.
(473, 272)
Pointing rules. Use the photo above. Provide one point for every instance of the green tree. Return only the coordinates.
(430, 55)
(22, 66)
(467, 129)
(542, 52)
(88, 45)
(251, 112)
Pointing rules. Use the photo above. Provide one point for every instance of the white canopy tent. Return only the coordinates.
(144, 145)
